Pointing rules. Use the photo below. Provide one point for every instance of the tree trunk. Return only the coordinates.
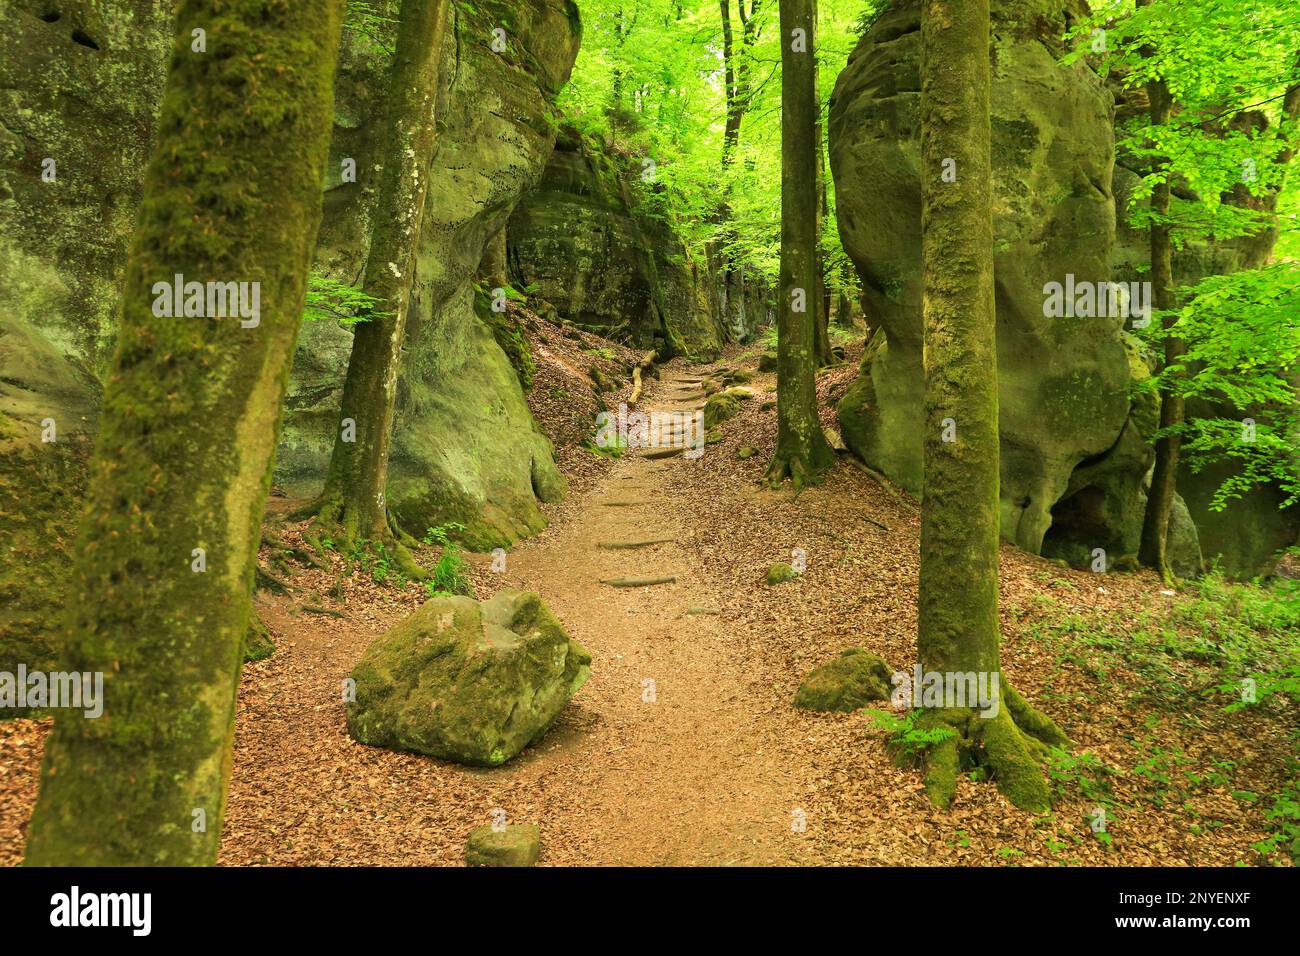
(1155, 524)
(958, 594)
(802, 453)
(731, 127)
(352, 506)
(190, 417)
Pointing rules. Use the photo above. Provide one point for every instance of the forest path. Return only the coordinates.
(702, 771)
(681, 767)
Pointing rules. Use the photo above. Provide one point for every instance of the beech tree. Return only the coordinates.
(958, 628)
(160, 592)
(352, 506)
(1164, 476)
(802, 452)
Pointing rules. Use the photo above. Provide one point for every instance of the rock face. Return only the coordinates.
(581, 238)
(850, 682)
(68, 195)
(1073, 442)
(464, 681)
(465, 447)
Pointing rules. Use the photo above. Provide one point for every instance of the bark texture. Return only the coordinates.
(958, 594)
(353, 506)
(802, 453)
(1153, 549)
(190, 418)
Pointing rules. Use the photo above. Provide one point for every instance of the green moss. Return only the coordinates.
(780, 573)
(848, 683)
(510, 336)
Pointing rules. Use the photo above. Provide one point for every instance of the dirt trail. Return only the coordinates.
(687, 771)
(694, 769)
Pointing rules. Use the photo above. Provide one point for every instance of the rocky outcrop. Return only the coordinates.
(68, 195)
(1071, 435)
(465, 447)
(584, 243)
(469, 682)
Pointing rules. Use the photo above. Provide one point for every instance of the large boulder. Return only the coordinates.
(583, 242)
(467, 681)
(1063, 382)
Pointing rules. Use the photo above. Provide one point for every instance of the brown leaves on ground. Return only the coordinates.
(719, 768)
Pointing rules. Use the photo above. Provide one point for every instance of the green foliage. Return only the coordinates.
(905, 738)
(1243, 353)
(448, 576)
(346, 304)
(1226, 148)
(650, 83)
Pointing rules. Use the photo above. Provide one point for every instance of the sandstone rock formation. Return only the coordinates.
(583, 240)
(1073, 441)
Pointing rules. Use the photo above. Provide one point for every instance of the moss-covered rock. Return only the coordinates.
(1063, 382)
(745, 452)
(465, 446)
(850, 682)
(720, 408)
(258, 644)
(767, 362)
(780, 572)
(515, 844)
(466, 681)
(582, 240)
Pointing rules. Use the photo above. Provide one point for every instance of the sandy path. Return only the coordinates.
(691, 771)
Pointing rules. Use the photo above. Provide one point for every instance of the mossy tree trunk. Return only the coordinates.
(802, 453)
(1152, 549)
(188, 426)
(353, 507)
(958, 596)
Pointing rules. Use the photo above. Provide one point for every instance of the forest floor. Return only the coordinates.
(683, 747)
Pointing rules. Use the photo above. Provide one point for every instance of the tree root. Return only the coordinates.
(340, 526)
(803, 469)
(1010, 747)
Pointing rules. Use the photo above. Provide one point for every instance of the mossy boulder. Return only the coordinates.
(745, 452)
(720, 408)
(850, 682)
(466, 681)
(780, 572)
(767, 362)
(258, 644)
(516, 844)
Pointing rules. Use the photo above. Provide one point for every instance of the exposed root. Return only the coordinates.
(1010, 747)
(802, 469)
(338, 527)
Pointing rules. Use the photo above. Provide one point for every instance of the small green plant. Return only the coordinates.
(346, 304)
(448, 576)
(616, 449)
(906, 739)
